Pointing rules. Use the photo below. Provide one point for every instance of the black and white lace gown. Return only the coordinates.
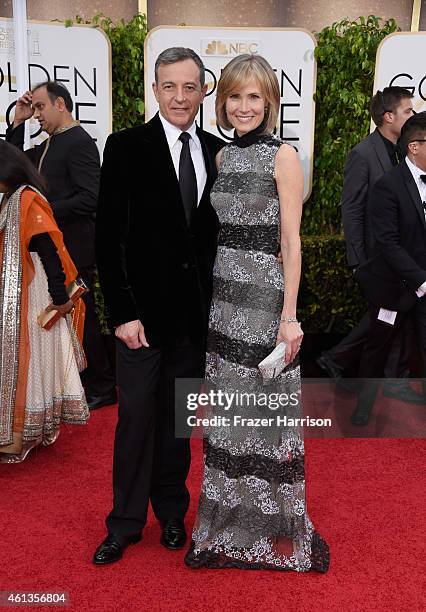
(252, 511)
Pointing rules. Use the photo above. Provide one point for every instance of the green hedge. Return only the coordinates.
(329, 299)
(346, 58)
(127, 50)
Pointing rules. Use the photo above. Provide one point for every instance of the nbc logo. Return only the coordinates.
(229, 47)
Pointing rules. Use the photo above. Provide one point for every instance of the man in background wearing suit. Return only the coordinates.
(69, 161)
(156, 243)
(366, 163)
(397, 212)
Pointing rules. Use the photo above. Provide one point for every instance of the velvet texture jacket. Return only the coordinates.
(152, 266)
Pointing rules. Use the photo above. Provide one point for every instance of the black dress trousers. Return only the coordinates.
(348, 352)
(379, 342)
(150, 463)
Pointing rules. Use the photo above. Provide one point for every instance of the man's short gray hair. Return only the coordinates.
(179, 54)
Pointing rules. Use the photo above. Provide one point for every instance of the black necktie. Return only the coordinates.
(187, 178)
(423, 177)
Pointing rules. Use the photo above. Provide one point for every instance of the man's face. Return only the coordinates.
(47, 113)
(179, 92)
(403, 111)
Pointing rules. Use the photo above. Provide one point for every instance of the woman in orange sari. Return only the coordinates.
(39, 370)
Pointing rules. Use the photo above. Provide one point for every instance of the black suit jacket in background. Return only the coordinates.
(366, 163)
(399, 227)
(151, 266)
(71, 168)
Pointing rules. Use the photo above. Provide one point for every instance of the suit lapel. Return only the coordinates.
(160, 144)
(381, 152)
(413, 191)
(166, 166)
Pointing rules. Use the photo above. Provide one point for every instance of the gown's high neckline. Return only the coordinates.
(246, 140)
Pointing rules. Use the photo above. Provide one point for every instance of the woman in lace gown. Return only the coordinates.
(39, 369)
(252, 511)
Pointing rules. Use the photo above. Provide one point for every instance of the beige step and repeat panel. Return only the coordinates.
(78, 56)
(290, 53)
(401, 60)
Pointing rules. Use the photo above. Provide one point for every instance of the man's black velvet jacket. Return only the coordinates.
(152, 266)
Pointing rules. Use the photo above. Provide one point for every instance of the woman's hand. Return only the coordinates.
(63, 309)
(292, 335)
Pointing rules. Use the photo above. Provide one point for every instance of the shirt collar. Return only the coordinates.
(416, 172)
(393, 149)
(385, 140)
(65, 128)
(172, 132)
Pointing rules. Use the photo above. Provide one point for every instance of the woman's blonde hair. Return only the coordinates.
(235, 74)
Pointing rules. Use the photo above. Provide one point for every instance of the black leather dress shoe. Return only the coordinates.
(333, 370)
(112, 548)
(97, 401)
(329, 366)
(361, 415)
(174, 534)
(403, 392)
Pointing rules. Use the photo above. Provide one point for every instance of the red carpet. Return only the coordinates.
(366, 497)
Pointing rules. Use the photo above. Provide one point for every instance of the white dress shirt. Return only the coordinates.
(172, 134)
(421, 186)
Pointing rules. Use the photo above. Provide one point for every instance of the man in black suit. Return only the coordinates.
(397, 211)
(366, 163)
(156, 243)
(69, 160)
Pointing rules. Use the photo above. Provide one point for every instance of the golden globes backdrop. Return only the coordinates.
(290, 53)
(79, 57)
(401, 61)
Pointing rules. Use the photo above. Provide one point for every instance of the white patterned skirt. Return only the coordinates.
(54, 390)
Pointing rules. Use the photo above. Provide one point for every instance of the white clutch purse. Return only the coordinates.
(274, 363)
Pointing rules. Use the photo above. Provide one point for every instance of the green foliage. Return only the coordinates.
(329, 299)
(127, 42)
(127, 49)
(346, 57)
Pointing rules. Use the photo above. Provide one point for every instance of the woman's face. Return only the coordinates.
(245, 107)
